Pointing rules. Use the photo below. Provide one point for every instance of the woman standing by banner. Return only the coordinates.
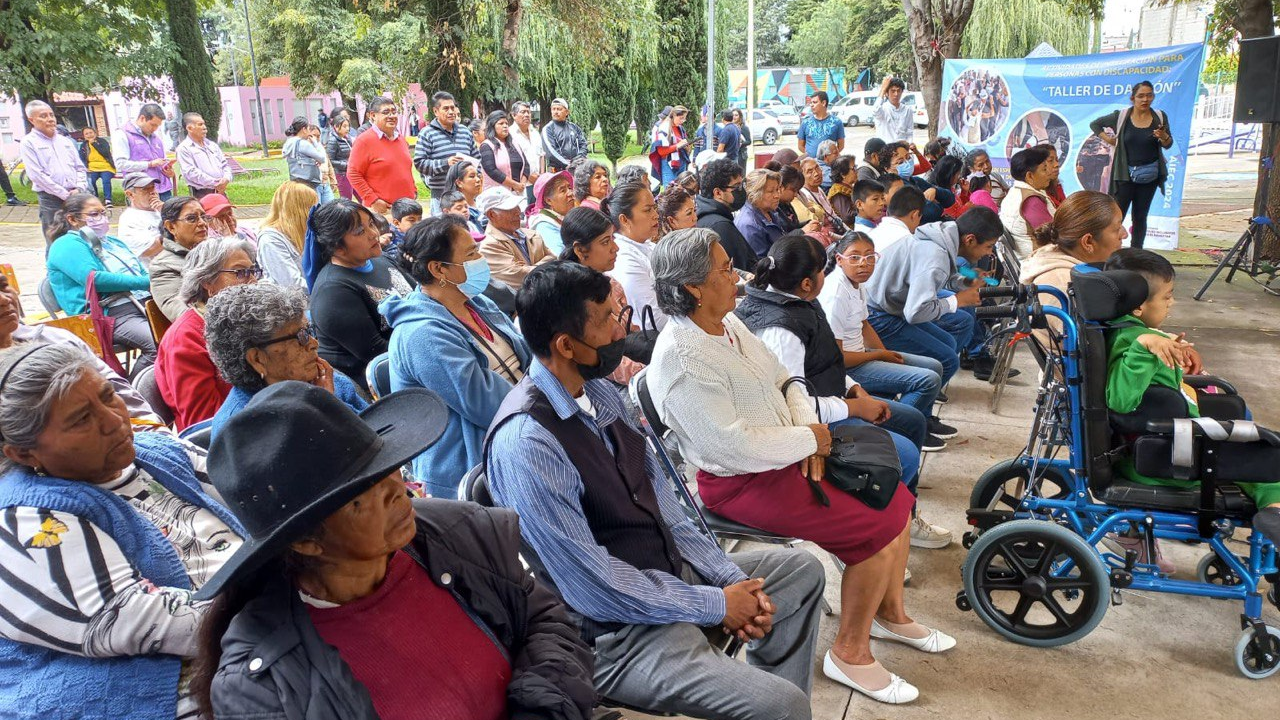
(1139, 136)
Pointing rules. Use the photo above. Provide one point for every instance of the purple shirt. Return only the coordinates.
(134, 152)
(53, 164)
(203, 165)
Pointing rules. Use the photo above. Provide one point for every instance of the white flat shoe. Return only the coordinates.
(898, 692)
(935, 642)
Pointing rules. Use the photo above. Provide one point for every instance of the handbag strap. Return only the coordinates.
(808, 385)
(506, 369)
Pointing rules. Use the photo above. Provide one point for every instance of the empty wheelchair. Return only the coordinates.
(1035, 573)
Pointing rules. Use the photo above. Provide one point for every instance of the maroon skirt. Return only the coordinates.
(781, 502)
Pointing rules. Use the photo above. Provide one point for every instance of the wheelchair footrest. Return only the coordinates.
(984, 519)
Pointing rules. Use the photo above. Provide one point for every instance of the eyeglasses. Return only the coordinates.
(193, 219)
(861, 259)
(303, 337)
(95, 215)
(253, 272)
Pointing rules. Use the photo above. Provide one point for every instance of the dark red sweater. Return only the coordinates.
(381, 168)
(185, 373)
(415, 649)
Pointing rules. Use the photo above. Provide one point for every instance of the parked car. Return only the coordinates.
(765, 127)
(917, 100)
(855, 109)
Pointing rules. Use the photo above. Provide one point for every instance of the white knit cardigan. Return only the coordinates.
(724, 403)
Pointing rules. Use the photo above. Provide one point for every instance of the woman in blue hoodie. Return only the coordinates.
(448, 337)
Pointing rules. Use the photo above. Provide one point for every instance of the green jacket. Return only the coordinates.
(1119, 157)
(1131, 370)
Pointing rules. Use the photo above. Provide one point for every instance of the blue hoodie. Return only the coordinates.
(913, 272)
(431, 349)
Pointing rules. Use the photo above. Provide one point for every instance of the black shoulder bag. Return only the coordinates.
(863, 463)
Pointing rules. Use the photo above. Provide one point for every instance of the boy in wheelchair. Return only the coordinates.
(1140, 357)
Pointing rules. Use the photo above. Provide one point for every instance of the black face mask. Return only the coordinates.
(608, 357)
(739, 199)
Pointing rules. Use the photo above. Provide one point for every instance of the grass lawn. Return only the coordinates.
(257, 188)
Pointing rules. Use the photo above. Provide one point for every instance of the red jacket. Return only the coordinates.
(381, 168)
(188, 381)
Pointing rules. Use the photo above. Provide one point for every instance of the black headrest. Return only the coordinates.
(1101, 295)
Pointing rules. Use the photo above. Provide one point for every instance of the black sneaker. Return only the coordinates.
(942, 398)
(983, 366)
(933, 443)
(940, 430)
(967, 362)
(14, 201)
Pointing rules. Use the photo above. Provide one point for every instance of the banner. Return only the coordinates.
(1003, 106)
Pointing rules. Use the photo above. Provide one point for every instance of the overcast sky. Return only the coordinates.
(1121, 16)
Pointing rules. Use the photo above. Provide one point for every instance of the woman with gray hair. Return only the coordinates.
(188, 381)
(107, 535)
(590, 182)
(258, 335)
(758, 444)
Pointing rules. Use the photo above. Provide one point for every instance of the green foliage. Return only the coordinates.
(616, 93)
(1013, 28)
(878, 39)
(1221, 67)
(192, 70)
(48, 46)
(814, 43)
(681, 64)
(772, 25)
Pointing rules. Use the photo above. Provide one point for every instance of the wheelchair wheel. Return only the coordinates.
(1006, 481)
(1212, 570)
(1258, 658)
(1036, 583)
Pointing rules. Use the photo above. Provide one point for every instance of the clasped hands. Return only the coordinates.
(748, 611)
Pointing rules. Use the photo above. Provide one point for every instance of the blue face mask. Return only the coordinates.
(477, 277)
(907, 168)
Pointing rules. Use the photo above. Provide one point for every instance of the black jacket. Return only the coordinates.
(275, 666)
(104, 149)
(339, 151)
(717, 217)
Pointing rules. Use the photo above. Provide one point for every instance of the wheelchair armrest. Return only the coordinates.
(1204, 381)
(1165, 427)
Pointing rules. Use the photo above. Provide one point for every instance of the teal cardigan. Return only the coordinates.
(70, 261)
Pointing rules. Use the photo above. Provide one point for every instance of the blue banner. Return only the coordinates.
(1003, 106)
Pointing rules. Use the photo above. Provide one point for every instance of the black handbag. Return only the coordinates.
(864, 461)
(638, 345)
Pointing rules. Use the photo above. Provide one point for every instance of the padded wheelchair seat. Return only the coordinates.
(1228, 500)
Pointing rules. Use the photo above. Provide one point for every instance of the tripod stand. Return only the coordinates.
(1243, 256)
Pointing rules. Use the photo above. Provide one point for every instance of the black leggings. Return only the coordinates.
(1139, 195)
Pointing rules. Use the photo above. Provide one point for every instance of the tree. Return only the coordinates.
(613, 109)
(192, 69)
(680, 72)
(773, 30)
(49, 46)
(879, 40)
(936, 28)
(1013, 28)
(817, 40)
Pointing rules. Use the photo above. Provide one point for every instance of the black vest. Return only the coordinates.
(618, 498)
(823, 359)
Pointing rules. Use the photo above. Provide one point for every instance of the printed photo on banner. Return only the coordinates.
(978, 105)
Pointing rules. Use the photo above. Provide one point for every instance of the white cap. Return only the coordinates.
(497, 198)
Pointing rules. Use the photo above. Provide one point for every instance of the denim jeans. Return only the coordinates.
(324, 192)
(970, 335)
(917, 380)
(907, 427)
(925, 338)
(105, 177)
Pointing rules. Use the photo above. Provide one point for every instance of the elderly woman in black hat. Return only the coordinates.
(355, 603)
(106, 535)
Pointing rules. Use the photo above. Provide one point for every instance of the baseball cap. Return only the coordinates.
(214, 203)
(497, 198)
(136, 180)
(560, 101)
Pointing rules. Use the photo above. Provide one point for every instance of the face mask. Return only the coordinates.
(100, 225)
(739, 199)
(608, 357)
(477, 277)
(907, 168)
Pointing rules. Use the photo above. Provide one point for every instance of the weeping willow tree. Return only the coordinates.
(1013, 28)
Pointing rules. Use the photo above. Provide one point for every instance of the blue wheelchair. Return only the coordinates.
(1035, 572)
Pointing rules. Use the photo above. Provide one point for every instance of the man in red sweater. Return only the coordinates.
(380, 167)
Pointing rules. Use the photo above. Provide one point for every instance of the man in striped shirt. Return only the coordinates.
(603, 519)
(443, 143)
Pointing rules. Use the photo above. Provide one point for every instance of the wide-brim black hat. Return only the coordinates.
(296, 454)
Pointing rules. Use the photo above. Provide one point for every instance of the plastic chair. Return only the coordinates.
(145, 383)
(48, 299)
(159, 323)
(378, 375)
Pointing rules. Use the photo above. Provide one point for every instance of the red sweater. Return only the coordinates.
(188, 381)
(416, 650)
(381, 168)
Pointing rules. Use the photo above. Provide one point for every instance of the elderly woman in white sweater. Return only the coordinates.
(719, 389)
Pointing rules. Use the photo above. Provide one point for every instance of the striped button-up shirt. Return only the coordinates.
(203, 165)
(530, 472)
(53, 164)
(435, 146)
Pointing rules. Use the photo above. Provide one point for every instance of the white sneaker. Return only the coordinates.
(935, 642)
(906, 577)
(898, 692)
(928, 536)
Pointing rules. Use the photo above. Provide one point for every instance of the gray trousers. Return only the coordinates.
(49, 206)
(673, 668)
(133, 331)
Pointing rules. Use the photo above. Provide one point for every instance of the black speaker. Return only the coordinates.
(1258, 81)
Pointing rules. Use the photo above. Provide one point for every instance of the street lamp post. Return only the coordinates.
(709, 128)
(257, 90)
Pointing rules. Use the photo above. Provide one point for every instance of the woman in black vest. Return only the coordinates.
(781, 309)
(1140, 135)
